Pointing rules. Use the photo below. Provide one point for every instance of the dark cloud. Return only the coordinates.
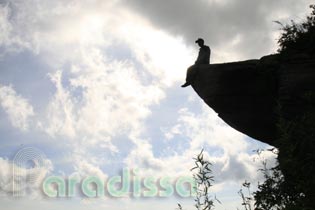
(221, 22)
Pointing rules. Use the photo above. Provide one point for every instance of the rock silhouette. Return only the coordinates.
(247, 95)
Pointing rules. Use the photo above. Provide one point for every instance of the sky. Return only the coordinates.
(93, 87)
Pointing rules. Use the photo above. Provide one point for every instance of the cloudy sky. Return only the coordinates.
(95, 86)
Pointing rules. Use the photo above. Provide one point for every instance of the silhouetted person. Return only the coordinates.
(203, 58)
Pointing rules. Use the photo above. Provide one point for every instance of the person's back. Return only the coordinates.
(204, 55)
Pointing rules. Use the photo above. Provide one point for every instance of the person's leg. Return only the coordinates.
(190, 76)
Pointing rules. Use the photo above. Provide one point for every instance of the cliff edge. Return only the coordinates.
(251, 95)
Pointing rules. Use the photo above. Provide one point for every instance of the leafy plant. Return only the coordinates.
(203, 177)
(298, 37)
(248, 198)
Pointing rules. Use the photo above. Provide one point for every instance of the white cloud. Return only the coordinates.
(60, 111)
(226, 148)
(163, 56)
(208, 131)
(9, 41)
(18, 109)
(97, 96)
(85, 168)
(80, 34)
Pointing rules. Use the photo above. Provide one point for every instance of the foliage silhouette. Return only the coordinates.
(298, 37)
(291, 184)
(203, 178)
(202, 175)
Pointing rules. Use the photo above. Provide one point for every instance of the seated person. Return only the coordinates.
(203, 58)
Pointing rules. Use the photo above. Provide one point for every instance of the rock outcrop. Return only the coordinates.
(249, 95)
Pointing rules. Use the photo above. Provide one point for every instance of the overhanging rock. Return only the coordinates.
(249, 95)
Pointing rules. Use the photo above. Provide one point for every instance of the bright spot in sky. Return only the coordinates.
(91, 27)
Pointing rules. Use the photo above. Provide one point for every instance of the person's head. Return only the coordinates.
(200, 42)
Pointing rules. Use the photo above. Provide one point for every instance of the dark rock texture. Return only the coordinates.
(248, 95)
